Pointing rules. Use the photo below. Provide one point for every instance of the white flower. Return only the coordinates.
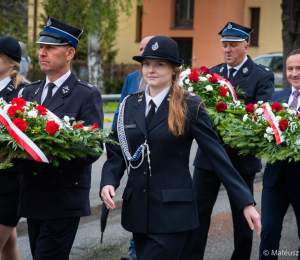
(203, 78)
(292, 112)
(237, 103)
(185, 73)
(293, 126)
(208, 75)
(297, 142)
(222, 83)
(190, 89)
(277, 118)
(265, 135)
(209, 88)
(270, 138)
(245, 117)
(285, 105)
(67, 119)
(269, 130)
(6, 107)
(32, 114)
(180, 84)
(260, 102)
(187, 81)
(227, 94)
(259, 111)
(290, 118)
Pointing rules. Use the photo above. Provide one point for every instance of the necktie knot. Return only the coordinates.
(296, 93)
(232, 70)
(49, 93)
(152, 103)
(151, 113)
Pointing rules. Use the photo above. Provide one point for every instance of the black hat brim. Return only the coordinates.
(50, 40)
(140, 59)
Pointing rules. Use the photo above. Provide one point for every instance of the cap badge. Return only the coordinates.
(221, 70)
(49, 23)
(245, 70)
(229, 27)
(155, 46)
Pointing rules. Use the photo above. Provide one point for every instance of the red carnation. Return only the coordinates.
(283, 125)
(299, 116)
(13, 109)
(194, 76)
(250, 108)
(204, 70)
(20, 123)
(94, 126)
(221, 106)
(223, 92)
(52, 127)
(19, 102)
(276, 106)
(41, 109)
(77, 126)
(213, 79)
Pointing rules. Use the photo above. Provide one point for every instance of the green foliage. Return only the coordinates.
(114, 87)
(111, 106)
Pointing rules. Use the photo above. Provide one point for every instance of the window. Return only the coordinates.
(184, 13)
(138, 30)
(255, 12)
(185, 46)
(276, 64)
(266, 61)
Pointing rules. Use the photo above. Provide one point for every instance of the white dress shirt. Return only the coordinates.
(4, 83)
(158, 99)
(57, 83)
(291, 98)
(236, 68)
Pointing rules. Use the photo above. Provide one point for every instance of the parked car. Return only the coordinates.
(274, 62)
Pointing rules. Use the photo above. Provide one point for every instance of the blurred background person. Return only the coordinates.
(25, 60)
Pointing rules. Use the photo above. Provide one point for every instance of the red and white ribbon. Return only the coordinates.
(270, 117)
(22, 139)
(228, 84)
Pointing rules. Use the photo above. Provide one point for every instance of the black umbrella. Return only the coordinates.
(103, 220)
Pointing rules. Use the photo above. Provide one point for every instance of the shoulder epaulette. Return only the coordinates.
(264, 68)
(216, 65)
(136, 93)
(33, 83)
(86, 84)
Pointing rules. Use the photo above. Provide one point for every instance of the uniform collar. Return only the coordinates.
(59, 81)
(4, 83)
(238, 66)
(158, 99)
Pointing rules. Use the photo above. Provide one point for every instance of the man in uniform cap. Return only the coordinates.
(54, 198)
(257, 82)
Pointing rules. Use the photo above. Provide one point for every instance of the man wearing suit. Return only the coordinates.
(54, 198)
(281, 179)
(131, 85)
(257, 82)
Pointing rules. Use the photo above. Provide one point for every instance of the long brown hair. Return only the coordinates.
(14, 74)
(177, 104)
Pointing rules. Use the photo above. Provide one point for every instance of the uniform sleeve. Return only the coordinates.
(208, 141)
(114, 167)
(265, 88)
(123, 95)
(91, 112)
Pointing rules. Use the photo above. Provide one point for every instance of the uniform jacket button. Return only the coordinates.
(144, 173)
(144, 191)
(35, 173)
(76, 183)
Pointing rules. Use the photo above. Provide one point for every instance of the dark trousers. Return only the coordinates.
(207, 185)
(159, 246)
(274, 205)
(52, 239)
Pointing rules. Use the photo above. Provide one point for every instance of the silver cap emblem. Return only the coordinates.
(155, 46)
(229, 27)
(245, 70)
(49, 23)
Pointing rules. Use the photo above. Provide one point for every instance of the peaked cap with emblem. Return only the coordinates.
(58, 33)
(11, 47)
(161, 47)
(235, 32)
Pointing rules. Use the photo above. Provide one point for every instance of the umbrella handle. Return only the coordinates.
(101, 237)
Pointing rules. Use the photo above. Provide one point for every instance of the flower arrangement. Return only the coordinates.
(26, 125)
(217, 93)
(269, 131)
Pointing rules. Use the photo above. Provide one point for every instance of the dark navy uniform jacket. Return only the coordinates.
(165, 201)
(291, 169)
(49, 192)
(258, 83)
(10, 178)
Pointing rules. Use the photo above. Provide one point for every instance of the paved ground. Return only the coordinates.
(116, 240)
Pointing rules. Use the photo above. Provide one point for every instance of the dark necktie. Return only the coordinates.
(151, 113)
(231, 71)
(49, 94)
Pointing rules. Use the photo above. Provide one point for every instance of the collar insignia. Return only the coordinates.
(65, 90)
(37, 91)
(245, 70)
(155, 46)
(221, 70)
(10, 88)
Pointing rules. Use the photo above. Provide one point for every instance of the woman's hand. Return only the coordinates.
(252, 215)
(107, 192)
(3, 157)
